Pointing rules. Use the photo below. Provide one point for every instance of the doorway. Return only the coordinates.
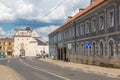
(65, 54)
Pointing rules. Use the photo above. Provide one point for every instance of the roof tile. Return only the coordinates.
(91, 6)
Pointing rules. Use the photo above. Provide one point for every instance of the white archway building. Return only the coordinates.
(27, 41)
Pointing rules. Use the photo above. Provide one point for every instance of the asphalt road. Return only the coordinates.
(34, 69)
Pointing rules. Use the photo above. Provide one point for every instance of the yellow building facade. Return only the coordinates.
(7, 46)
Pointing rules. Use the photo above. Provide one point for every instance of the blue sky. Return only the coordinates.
(16, 14)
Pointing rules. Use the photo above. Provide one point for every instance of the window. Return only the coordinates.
(73, 33)
(70, 32)
(87, 27)
(3, 43)
(93, 25)
(82, 49)
(64, 35)
(119, 15)
(9, 43)
(81, 28)
(111, 48)
(0, 47)
(67, 33)
(93, 48)
(60, 36)
(9, 48)
(101, 48)
(101, 22)
(111, 18)
(22, 46)
(77, 30)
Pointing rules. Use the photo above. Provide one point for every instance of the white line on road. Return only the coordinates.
(45, 71)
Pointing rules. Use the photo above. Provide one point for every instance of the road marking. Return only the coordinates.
(45, 71)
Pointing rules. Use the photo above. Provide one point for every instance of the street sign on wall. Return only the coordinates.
(69, 46)
(88, 45)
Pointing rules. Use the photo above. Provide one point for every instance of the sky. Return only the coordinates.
(42, 15)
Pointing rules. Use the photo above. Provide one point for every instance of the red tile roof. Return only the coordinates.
(91, 6)
(4, 39)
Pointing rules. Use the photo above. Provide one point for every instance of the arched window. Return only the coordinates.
(22, 46)
(93, 48)
(82, 49)
(101, 48)
(111, 48)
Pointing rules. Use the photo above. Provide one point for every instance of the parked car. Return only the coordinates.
(22, 56)
(38, 55)
(2, 55)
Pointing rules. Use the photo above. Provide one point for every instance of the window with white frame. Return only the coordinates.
(64, 35)
(119, 14)
(94, 48)
(101, 22)
(77, 30)
(70, 32)
(81, 28)
(101, 49)
(87, 27)
(82, 49)
(93, 25)
(60, 36)
(111, 48)
(111, 18)
(73, 33)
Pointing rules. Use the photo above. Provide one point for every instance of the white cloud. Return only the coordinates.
(2, 32)
(69, 8)
(32, 9)
(5, 13)
(44, 31)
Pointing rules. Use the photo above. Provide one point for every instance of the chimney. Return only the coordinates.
(81, 9)
(92, 1)
(69, 17)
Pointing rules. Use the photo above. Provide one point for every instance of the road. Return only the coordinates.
(34, 69)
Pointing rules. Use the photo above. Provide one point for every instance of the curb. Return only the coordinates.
(83, 69)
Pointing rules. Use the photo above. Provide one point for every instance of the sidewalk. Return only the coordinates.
(7, 74)
(90, 68)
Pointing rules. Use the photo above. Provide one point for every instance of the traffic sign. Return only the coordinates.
(88, 45)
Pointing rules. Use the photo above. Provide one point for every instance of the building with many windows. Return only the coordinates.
(7, 46)
(27, 41)
(92, 36)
